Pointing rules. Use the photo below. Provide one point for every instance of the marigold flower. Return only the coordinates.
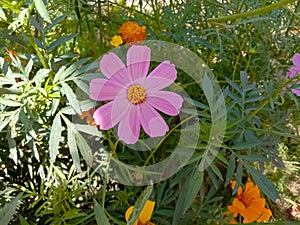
(132, 32)
(295, 70)
(116, 41)
(88, 116)
(145, 216)
(249, 204)
(135, 96)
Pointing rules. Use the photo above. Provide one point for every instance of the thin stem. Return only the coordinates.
(254, 12)
(32, 41)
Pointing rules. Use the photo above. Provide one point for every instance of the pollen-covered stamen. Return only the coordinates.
(136, 94)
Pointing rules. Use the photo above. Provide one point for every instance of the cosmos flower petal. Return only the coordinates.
(296, 60)
(152, 122)
(103, 89)
(296, 92)
(103, 116)
(129, 127)
(138, 61)
(162, 76)
(110, 64)
(166, 102)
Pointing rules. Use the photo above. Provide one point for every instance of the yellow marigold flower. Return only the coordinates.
(116, 41)
(145, 216)
(249, 204)
(132, 32)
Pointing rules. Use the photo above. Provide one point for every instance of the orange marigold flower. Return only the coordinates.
(10, 53)
(88, 116)
(145, 216)
(249, 204)
(116, 41)
(132, 32)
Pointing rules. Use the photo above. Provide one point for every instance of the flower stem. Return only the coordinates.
(254, 12)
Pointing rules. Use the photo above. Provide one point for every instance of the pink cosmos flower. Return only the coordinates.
(134, 95)
(295, 70)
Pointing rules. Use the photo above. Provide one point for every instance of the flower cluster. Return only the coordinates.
(249, 204)
(135, 95)
(129, 32)
(145, 215)
(294, 71)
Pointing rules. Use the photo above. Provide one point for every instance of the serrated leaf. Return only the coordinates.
(230, 169)
(9, 209)
(73, 147)
(8, 102)
(238, 177)
(61, 40)
(59, 74)
(72, 99)
(42, 10)
(188, 194)
(40, 75)
(245, 145)
(100, 216)
(55, 22)
(84, 149)
(234, 85)
(73, 69)
(55, 136)
(244, 79)
(264, 184)
(2, 14)
(4, 123)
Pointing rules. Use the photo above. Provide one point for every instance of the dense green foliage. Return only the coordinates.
(49, 53)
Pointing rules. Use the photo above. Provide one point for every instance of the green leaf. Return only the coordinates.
(71, 97)
(55, 136)
(55, 22)
(41, 8)
(23, 221)
(73, 147)
(61, 40)
(100, 216)
(9, 102)
(208, 89)
(9, 209)
(13, 153)
(245, 145)
(188, 194)
(264, 184)
(230, 169)
(238, 177)
(139, 204)
(84, 148)
(2, 14)
(40, 76)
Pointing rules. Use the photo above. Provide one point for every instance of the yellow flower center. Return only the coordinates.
(136, 94)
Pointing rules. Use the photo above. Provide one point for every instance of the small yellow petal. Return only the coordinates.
(116, 41)
(128, 213)
(147, 211)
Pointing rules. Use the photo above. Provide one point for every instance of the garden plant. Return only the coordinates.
(149, 112)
